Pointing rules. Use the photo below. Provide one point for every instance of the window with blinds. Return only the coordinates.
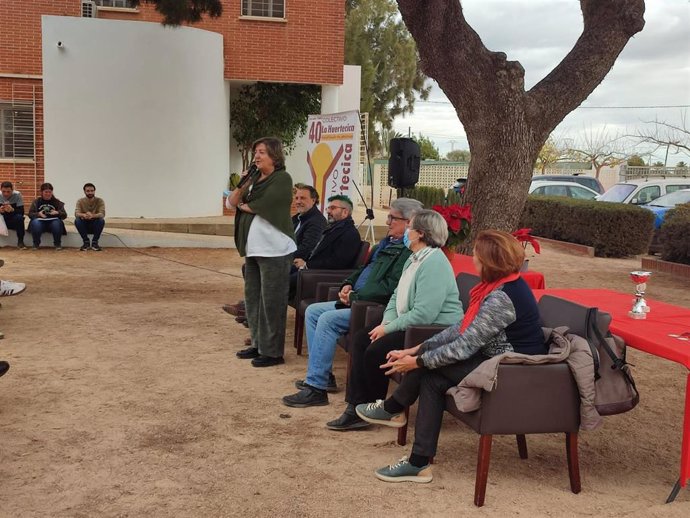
(265, 8)
(16, 130)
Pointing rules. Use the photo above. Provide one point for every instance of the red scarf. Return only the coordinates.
(479, 293)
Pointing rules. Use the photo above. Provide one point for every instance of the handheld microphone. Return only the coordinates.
(253, 170)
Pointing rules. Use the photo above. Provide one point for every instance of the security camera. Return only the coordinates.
(60, 45)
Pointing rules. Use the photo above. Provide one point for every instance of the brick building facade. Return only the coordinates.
(304, 45)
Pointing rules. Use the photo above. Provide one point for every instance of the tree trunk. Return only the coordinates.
(505, 125)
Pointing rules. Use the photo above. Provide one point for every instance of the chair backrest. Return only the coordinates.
(363, 254)
(465, 282)
(555, 312)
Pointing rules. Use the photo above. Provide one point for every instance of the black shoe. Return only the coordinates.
(236, 310)
(347, 421)
(267, 361)
(4, 367)
(84, 247)
(308, 396)
(95, 247)
(332, 386)
(248, 353)
(21, 245)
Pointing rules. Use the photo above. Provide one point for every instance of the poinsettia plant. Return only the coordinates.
(458, 218)
(526, 238)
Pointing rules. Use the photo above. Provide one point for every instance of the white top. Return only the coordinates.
(407, 278)
(265, 240)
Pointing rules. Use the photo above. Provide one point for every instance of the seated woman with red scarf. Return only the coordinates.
(502, 316)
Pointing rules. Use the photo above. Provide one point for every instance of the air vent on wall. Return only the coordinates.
(89, 9)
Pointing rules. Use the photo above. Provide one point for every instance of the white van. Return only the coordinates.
(639, 192)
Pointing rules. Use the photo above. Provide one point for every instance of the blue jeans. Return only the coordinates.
(39, 226)
(325, 325)
(89, 226)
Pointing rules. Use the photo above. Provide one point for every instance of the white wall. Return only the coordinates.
(334, 99)
(138, 109)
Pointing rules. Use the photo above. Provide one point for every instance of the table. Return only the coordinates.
(651, 336)
(463, 263)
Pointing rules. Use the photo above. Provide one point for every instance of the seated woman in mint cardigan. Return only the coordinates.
(426, 294)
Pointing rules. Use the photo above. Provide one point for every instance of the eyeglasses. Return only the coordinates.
(390, 218)
(333, 207)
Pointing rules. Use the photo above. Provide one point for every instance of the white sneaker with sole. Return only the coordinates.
(8, 288)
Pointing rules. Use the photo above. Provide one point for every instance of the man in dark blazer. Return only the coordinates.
(309, 223)
(340, 241)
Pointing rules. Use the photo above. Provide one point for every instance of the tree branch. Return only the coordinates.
(454, 55)
(608, 26)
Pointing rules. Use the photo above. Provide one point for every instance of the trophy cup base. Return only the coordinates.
(637, 316)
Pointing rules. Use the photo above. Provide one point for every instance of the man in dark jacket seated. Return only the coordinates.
(308, 223)
(325, 322)
(339, 244)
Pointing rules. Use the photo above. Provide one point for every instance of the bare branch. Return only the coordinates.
(665, 134)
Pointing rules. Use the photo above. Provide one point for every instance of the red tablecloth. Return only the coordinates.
(463, 263)
(651, 335)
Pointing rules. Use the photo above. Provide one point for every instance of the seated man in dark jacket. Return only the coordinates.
(339, 244)
(308, 223)
(325, 322)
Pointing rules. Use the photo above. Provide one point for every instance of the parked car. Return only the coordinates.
(663, 204)
(643, 191)
(569, 189)
(587, 181)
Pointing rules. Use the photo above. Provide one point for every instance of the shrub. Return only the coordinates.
(613, 229)
(429, 196)
(674, 235)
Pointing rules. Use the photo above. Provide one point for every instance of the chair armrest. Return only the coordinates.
(415, 335)
(374, 315)
(324, 291)
(307, 280)
(358, 316)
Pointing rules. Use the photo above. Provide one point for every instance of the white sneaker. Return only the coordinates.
(8, 288)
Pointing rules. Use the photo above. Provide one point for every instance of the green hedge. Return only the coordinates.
(430, 196)
(613, 229)
(674, 235)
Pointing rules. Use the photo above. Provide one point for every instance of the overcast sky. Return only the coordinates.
(652, 70)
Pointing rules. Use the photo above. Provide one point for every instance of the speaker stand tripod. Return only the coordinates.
(370, 229)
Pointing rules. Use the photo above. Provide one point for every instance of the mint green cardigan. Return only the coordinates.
(433, 296)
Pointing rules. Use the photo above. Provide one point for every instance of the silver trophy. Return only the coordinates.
(640, 308)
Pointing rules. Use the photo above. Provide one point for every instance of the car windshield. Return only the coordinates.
(618, 192)
(671, 200)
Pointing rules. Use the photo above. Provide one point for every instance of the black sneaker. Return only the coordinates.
(248, 353)
(21, 245)
(84, 247)
(309, 396)
(267, 361)
(331, 388)
(347, 421)
(95, 247)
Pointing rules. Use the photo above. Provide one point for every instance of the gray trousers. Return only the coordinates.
(266, 283)
(430, 386)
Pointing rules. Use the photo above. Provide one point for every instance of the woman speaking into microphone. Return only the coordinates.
(264, 237)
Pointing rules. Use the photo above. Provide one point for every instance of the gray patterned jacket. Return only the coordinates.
(486, 333)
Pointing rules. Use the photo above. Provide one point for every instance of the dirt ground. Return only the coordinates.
(125, 398)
